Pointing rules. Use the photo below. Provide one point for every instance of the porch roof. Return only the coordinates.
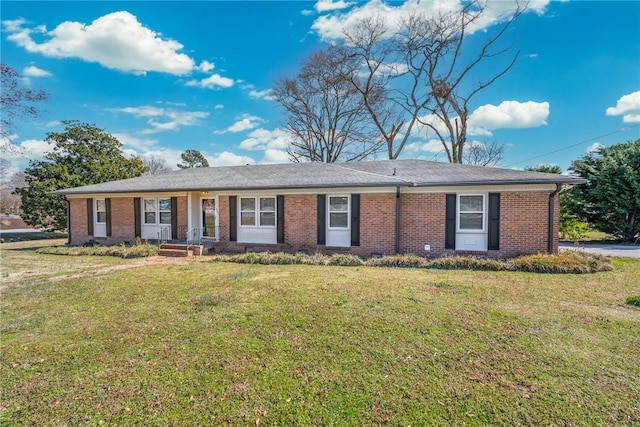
(383, 173)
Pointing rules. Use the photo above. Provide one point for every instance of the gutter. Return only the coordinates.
(68, 219)
(550, 237)
(397, 242)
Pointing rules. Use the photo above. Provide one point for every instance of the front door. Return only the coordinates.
(209, 218)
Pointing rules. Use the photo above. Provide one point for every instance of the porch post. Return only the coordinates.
(189, 226)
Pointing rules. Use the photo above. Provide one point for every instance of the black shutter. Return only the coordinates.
(280, 218)
(322, 209)
(107, 207)
(450, 222)
(355, 220)
(494, 221)
(174, 217)
(233, 220)
(90, 217)
(137, 217)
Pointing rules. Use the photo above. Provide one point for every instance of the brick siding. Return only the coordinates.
(523, 224)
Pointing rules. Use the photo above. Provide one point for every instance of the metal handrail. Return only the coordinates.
(164, 235)
(193, 235)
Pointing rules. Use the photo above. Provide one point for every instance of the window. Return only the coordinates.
(164, 208)
(258, 211)
(101, 212)
(157, 211)
(338, 211)
(267, 211)
(149, 211)
(471, 212)
(247, 211)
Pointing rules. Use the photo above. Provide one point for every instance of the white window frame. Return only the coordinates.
(347, 212)
(461, 212)
(274, 211)
(157, 211)
(161, 211)
(97, 210)
(257, 212)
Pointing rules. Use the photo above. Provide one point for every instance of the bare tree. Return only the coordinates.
(9, 200)
(484, 153)
(373, 72)
(15, 101)
(326, 116)
(156, 164)
(427, 71)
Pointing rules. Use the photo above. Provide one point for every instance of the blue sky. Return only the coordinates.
(169, 76)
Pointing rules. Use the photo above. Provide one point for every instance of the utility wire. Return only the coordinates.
(574, 145)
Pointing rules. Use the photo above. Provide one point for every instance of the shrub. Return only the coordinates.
(564, 262)
(403, 261)
(346, 260)
(635, 300)
(123, 251)
(468, 263)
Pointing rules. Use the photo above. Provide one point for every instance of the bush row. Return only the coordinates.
(565, 262)
(139, 250)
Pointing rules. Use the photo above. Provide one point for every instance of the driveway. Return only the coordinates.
(629, 251)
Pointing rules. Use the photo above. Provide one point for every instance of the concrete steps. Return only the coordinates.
(180, 250)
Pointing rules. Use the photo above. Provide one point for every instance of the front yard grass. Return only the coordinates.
(213, 343)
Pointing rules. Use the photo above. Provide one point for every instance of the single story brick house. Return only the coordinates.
(367, 208)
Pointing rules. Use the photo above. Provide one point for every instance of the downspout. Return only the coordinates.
(68, 220)
(550, 236)
(397, 243)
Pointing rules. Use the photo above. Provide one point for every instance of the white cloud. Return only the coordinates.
(594, 147)
(211, 82)
(164, 119)
(329, 5)
(116, 41)
(247, 122)
(12, 26)
(206, 66)
(262, 94)
(33, 71)
(275, 156)
(35, 149)
(263, 139)
(144, 144)
(431, 146)
(218, 107)
(227, 158)
(485, 119)
(508, 115)
(628, 106)
(333, 25)
(144, 111)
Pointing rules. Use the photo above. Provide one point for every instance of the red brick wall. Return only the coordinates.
(523, 224)
(377, 225)
(122, 220)
(422, 222)
(300, 222)
(78, 230)
(223, 218)
(182, 211)
(524, 220)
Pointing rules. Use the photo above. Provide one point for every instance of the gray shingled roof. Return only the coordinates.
(384, 173)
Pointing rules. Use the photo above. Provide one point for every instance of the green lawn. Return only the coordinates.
(208, 343)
